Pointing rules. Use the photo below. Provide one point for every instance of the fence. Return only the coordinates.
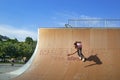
(105, 23)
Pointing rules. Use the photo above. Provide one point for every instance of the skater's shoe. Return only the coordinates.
(80, 58)
(83, 59)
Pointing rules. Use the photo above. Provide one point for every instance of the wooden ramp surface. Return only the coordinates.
(100, 46)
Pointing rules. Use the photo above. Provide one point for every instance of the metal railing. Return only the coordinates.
(91, 23)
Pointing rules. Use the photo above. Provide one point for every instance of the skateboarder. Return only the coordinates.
(78, 46)
(12, 62)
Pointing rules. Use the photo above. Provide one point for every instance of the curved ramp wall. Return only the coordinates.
(100, 46)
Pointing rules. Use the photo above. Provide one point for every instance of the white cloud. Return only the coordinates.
(13, 32)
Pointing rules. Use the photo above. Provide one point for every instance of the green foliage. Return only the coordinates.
(3, 38)
(29, 40)
(12, 48)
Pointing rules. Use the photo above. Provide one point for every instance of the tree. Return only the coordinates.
(28, 40)
(15, 49)
(0, 39)
(29, 47)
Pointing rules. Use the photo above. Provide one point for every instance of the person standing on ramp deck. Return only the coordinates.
(78, 46)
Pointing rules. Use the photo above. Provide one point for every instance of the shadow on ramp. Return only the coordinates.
(95, 59)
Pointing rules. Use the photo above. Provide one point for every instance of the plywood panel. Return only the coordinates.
(52, 62)
(98, 38)
(113, 38)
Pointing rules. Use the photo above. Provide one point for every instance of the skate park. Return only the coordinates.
(101, 47)
(39, 39)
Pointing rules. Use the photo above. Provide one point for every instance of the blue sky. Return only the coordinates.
(22, 18)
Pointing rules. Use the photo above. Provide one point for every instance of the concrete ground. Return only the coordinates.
(6, 67)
